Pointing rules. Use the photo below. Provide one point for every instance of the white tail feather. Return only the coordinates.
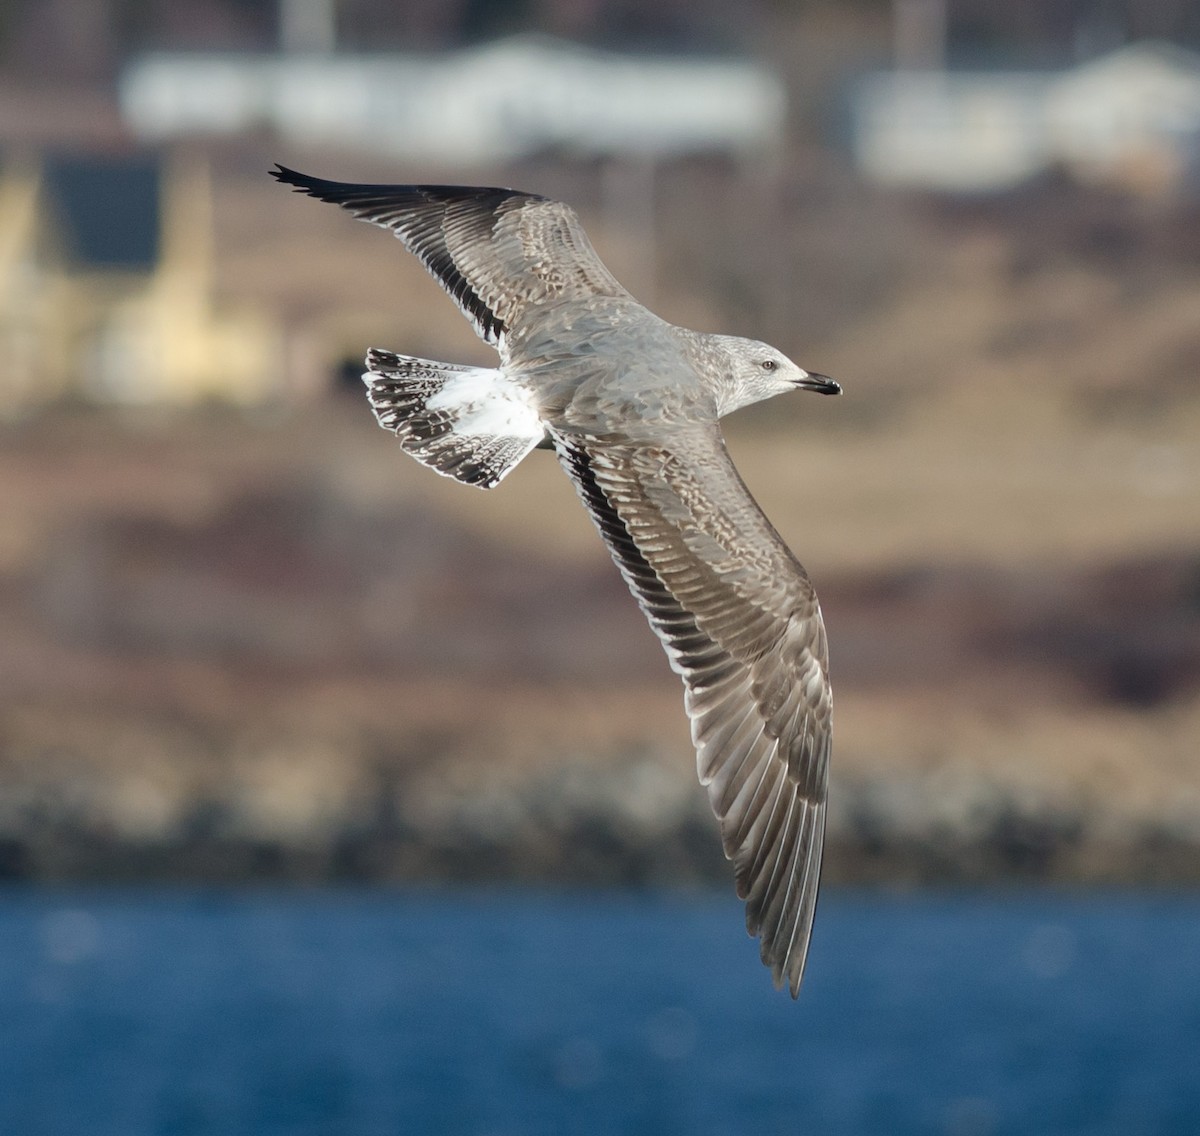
(469, 423)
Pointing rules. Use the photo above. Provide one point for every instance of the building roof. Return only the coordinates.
(105, 209)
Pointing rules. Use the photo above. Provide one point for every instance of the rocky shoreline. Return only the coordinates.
(628, 822)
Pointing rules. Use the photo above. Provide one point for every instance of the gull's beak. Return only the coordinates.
(822, 384)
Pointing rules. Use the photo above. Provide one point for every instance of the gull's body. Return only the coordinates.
(631, 405)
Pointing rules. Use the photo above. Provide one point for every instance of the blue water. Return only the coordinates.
(368, 1012)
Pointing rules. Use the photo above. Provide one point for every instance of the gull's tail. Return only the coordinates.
(470, 423)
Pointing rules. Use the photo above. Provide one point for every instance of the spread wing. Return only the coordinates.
(740, 622)
(498, 252)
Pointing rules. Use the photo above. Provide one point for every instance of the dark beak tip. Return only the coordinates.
(822, 384)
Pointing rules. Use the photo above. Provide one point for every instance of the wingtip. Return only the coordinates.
(301, 183)
(785, 975)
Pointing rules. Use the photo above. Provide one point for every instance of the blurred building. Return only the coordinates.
(950, 131)
(1130, 119)
(106, 286)
(496, 103)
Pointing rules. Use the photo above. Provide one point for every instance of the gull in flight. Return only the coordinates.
(631, 405)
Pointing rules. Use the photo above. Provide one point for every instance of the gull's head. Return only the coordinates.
(760, 371)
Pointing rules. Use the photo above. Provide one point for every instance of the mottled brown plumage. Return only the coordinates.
(631, 404)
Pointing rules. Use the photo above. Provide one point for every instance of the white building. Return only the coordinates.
(1130, 118)
(494, 103)
(951, 131)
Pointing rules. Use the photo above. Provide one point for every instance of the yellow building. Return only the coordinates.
(107, 287)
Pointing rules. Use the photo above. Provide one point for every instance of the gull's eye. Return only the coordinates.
(769, 364)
